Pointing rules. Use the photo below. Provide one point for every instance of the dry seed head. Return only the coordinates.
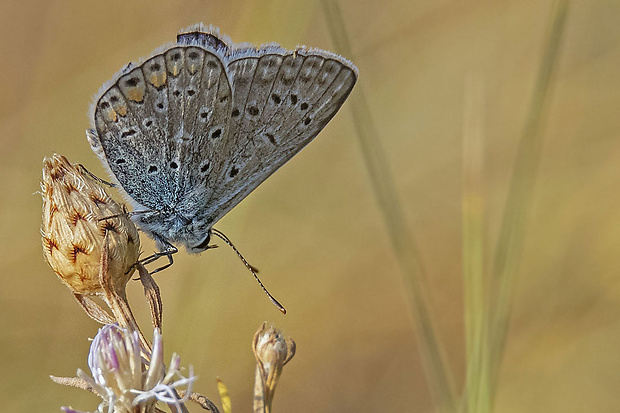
(272, 351)
(74, 228)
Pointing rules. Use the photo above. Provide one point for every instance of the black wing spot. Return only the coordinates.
(160, 105)
(205, 167)
(148, 123)
(120, 161)
(234, 113)
(253, 110)
(223, 99)
(104, 105)
(212, 64)
(174, 165)
(114, 99)
(276, 98)
(304, 106)
(176, 57)
(132, 82)
(193, 55)
(216, 134)
(155, 67)
(307, 121)
(128, 133)
(191, 92)
(271, 138)
(294, 99)
(233, 171)
(204, 114)
(152, 169)
(176, 93)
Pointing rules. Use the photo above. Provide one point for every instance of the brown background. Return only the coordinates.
(314, 228)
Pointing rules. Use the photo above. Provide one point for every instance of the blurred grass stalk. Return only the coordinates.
(488, 306)
(439, 376)
(510, 241)
(476, 397)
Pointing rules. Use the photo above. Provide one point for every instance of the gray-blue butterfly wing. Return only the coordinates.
(159, 127)
(281, 101)
(194, 129)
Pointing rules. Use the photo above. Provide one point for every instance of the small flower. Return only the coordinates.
(78, 217)
(125, 381)
(272, 351)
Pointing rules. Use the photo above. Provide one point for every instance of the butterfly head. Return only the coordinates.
(168, 228)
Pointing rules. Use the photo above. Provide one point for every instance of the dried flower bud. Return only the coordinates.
(272, 351)
(78, 217)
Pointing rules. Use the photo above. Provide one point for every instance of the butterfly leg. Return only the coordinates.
(95, 177)
(168, 252)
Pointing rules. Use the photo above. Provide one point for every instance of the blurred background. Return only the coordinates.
(428, 71)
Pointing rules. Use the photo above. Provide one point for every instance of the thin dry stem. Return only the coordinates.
(201, 400)
(117, 301)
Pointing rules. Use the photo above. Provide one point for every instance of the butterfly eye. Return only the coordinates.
(204, 245)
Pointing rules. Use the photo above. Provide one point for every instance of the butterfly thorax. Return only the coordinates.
(173, 227)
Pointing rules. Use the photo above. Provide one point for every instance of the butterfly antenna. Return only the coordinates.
(253, 270)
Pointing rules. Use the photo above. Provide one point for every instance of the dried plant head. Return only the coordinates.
(126, 381)
(272, 351)
(78, 218)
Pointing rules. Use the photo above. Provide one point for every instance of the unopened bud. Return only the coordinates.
(272, 351)
(78, 217)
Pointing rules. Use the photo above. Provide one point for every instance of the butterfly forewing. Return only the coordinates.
(281, 102)
(207, 116)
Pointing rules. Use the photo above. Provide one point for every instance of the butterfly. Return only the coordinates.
(189, 132)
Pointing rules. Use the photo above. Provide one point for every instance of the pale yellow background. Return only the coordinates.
(314, 228)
